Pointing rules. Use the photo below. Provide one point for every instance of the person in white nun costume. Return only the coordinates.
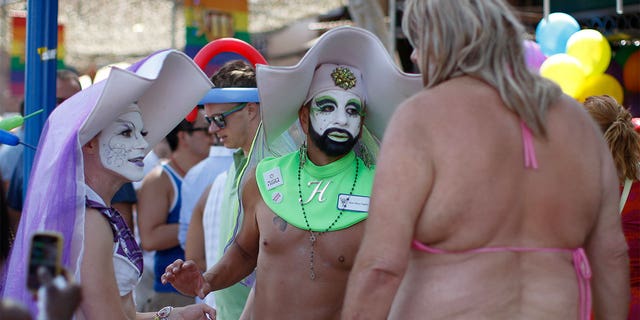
(91, 145)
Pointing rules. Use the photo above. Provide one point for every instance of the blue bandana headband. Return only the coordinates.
(231, 95)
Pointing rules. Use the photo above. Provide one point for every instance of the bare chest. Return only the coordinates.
(285, 242)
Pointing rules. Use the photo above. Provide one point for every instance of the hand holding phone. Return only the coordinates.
(59, 297)
(46, 251)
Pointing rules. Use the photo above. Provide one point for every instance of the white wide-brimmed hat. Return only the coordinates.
(165, 86)
(283, 89)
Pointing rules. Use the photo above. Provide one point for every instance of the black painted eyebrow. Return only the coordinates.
(324, 100)
(130, 126)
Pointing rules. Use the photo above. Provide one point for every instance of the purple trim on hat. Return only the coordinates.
(135, 66)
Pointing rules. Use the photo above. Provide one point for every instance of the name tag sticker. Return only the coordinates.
(273, 178)
(353, 203)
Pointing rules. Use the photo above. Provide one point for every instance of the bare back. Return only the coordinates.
(284, 289)
(472, 190)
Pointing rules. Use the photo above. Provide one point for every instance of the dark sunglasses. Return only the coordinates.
(219, 119)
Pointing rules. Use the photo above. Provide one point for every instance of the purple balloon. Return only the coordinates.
(632, 101)
(533, 55)
(615, 70)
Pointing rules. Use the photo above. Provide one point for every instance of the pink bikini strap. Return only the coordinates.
(530, 160)
(422, 247)
(580, 265)
(583, 271)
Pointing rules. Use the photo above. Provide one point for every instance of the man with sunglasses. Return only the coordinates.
(233, 120)
(159, 202)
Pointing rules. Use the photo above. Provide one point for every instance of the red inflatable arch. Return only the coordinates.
(218, 46)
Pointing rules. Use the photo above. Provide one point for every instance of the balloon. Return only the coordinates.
(632, 101)
(631, 72)
(564, 70)
(552, 35)
(533, 55)
(16, 121)
(592, 49)
(218, 46)
(636, 124)
(600, 84)
(622, 54)
(11, 122)
(615, 70)
(238, 46)
(8, 138)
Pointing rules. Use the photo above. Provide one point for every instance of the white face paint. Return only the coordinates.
(336, 109)
(122, 146)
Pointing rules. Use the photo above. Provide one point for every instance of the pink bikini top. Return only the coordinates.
(580, 261)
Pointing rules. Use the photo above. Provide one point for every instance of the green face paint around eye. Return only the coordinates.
(356, 103)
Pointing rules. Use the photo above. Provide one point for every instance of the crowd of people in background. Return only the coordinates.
(339, 187)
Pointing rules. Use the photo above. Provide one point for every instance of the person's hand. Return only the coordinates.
(185, 276)
(60, 296)
(200, 311)
(14, 310)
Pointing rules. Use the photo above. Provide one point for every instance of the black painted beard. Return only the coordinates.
(331, 147)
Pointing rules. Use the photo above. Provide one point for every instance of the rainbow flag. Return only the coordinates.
(208, 20)
(17, 53)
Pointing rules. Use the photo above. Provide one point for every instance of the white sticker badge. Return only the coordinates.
(273, 178)
(276, 197)
(353, 203)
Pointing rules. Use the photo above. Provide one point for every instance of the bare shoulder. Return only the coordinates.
(96, 223)
(154, 176)
(568, 116)
(250, 192)
(411, 123)
(572, 108)
(413, 104)
(98, 236)
(155, 183)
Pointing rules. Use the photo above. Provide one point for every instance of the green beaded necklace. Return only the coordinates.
(313, 235)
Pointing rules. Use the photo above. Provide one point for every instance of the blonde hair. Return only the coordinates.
(615, 122)
(482, 39)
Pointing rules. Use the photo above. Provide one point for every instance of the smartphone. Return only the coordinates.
(46, 251)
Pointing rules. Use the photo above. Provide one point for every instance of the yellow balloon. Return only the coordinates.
(601, 84)
(566, 71)
(592, 49)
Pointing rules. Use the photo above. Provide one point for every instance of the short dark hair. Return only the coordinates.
(66, 74)
(235, 74)
(172, 137)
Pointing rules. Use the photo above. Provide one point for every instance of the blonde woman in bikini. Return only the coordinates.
(495, 196)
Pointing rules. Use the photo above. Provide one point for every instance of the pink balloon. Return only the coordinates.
(533, 55)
